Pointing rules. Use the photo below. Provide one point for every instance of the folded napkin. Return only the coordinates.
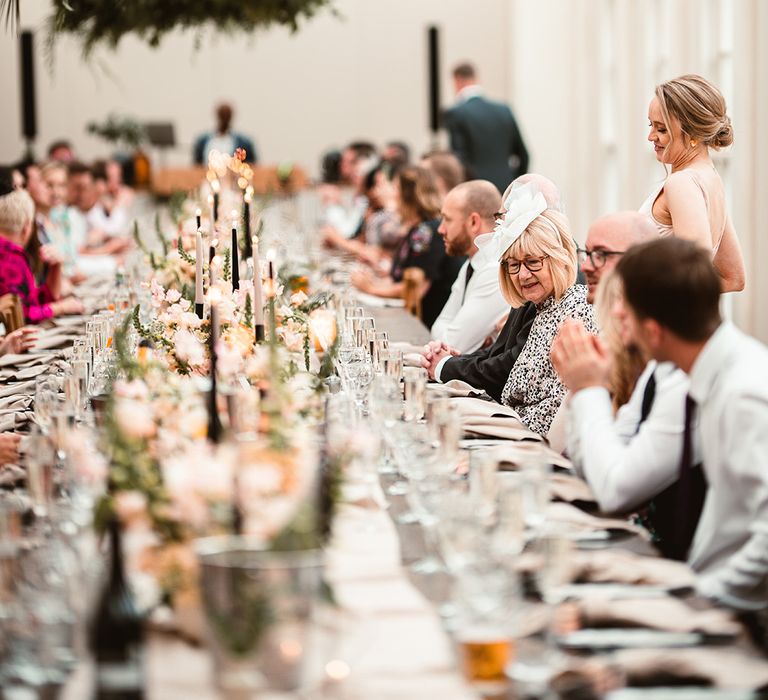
(500, 428)
(16, 403)
(17, 389)
(578, 522)
(472, 409)
(11, 474)
(511, 455)
(621, 566)
(571, 489)
(665, 614)
(722, 668)
(24, 360)
(455, 387)
(374, 302)
(54, 341)
(15, 375)
(70, 321)
(12, 420)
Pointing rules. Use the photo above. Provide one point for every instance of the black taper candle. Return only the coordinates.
(214, 424)
(248, 243)
(235, 260)
(215, 208)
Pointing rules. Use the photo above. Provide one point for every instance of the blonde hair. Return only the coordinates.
(699, 107)
(627, 363)
(549, 234)
(16, 211)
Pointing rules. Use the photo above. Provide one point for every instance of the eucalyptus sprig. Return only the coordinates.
(183, 254)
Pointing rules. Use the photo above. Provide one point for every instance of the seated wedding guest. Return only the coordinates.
(113, 194)
(39, 302)
(538, 265)
(381, 230)
(105, 234)
(223, 139)
(61, 151)
(476, 303)
(672, 307)
(421, 247)
(488, 369)
(446, 168)
(688, 117)
(41, 249)
(608, 238)
(68, 229)
(396, 154)
(9, 448)
(629, 457)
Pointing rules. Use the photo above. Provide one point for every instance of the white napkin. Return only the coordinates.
(577, 521)
(54, 341)
(16, 402)
(70, 321)
(14, 419)
(17, 389)
(378, 302)
(503, 428)
(455, 387)
(25, 373)
(24, 360)
(517, 453)
(666, 614)
(621, 566)
(470, 409)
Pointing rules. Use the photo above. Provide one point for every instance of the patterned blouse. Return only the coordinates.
(16, 278)
(533, 389)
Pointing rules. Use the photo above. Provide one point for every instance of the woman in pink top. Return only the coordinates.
(687, 117)
(39, 302)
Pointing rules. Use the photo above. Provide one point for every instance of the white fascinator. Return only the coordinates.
(523, 205)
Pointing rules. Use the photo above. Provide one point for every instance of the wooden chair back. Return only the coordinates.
(413, 278)
(11, 312)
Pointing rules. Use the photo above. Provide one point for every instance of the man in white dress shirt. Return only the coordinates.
(672, 298)
(476, 303)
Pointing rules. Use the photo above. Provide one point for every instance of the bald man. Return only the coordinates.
(476, 303)
(608, 239)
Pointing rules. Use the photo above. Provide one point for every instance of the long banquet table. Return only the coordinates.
(395, 645)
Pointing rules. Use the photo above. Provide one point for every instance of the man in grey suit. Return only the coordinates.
(483, 133)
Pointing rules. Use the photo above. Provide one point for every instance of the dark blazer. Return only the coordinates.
(241, 141)
(488, 368)
(485, 136)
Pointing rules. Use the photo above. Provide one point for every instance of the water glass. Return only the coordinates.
(415, 390)
(391, 362)
(46, 399)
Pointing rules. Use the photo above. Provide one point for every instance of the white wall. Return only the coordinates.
(363, 75)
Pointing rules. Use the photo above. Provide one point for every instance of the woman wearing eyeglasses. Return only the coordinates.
(537, 258)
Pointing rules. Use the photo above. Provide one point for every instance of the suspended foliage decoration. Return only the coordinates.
(106, 22)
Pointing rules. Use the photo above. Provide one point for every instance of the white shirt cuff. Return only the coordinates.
(439, 368)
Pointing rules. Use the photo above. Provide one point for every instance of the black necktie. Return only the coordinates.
(685, 480)
(467, 276)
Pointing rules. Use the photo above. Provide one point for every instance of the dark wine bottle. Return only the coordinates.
(117, 634)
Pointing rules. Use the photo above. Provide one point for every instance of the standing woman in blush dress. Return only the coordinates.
(687, 117)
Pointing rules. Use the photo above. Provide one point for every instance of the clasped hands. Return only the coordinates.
(433, 353)
(580, 359)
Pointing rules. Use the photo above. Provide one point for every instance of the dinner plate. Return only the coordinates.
(604, 639)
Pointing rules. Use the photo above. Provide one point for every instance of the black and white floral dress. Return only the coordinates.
(533, 388)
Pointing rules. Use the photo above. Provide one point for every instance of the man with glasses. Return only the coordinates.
(607, 240)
